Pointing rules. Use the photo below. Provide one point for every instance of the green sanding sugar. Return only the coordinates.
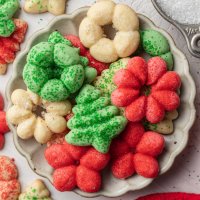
(54, 90)
(56, 37)
(105, 81)
(41, 55)
(88, 94)
(65, 56)
(54, 70)
(95, 121)
(154, 43)
(35, 77)
(57, 72)
(7, 27)
(101, 115)
(7, 10)
(83, 109)
(73, 78)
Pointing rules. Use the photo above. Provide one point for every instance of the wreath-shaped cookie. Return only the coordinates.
(59, 76)
(123, 19)
(7, 10)
(29, 124)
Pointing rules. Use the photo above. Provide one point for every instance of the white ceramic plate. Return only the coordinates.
(175, 143)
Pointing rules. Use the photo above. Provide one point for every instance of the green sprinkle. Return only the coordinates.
(95, 121)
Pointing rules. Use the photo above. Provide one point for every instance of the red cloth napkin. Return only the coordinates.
(171, 196)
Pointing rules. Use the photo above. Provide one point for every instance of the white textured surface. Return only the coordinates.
(185, 174)
(186, 12)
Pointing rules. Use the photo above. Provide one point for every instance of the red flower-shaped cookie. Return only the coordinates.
(136, 151)
(76, 167)
(146, 89)
(9, 185)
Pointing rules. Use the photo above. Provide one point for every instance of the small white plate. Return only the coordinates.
(175, 143)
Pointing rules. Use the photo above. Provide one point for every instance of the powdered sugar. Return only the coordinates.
(183, 11)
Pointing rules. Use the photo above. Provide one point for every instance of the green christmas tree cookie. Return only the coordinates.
(105, 81)
(95, 122)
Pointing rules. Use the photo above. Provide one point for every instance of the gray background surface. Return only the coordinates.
(185, 173)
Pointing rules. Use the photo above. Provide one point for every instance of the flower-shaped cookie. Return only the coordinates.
(24, 114)
(136, 151)
(9, 185)
(146, 89)
(59, 76)
(36, 191)
(7, 10)
(56, 7)
(76, 167)
(10, 45)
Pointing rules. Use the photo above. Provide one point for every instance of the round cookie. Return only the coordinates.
(126, 23)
